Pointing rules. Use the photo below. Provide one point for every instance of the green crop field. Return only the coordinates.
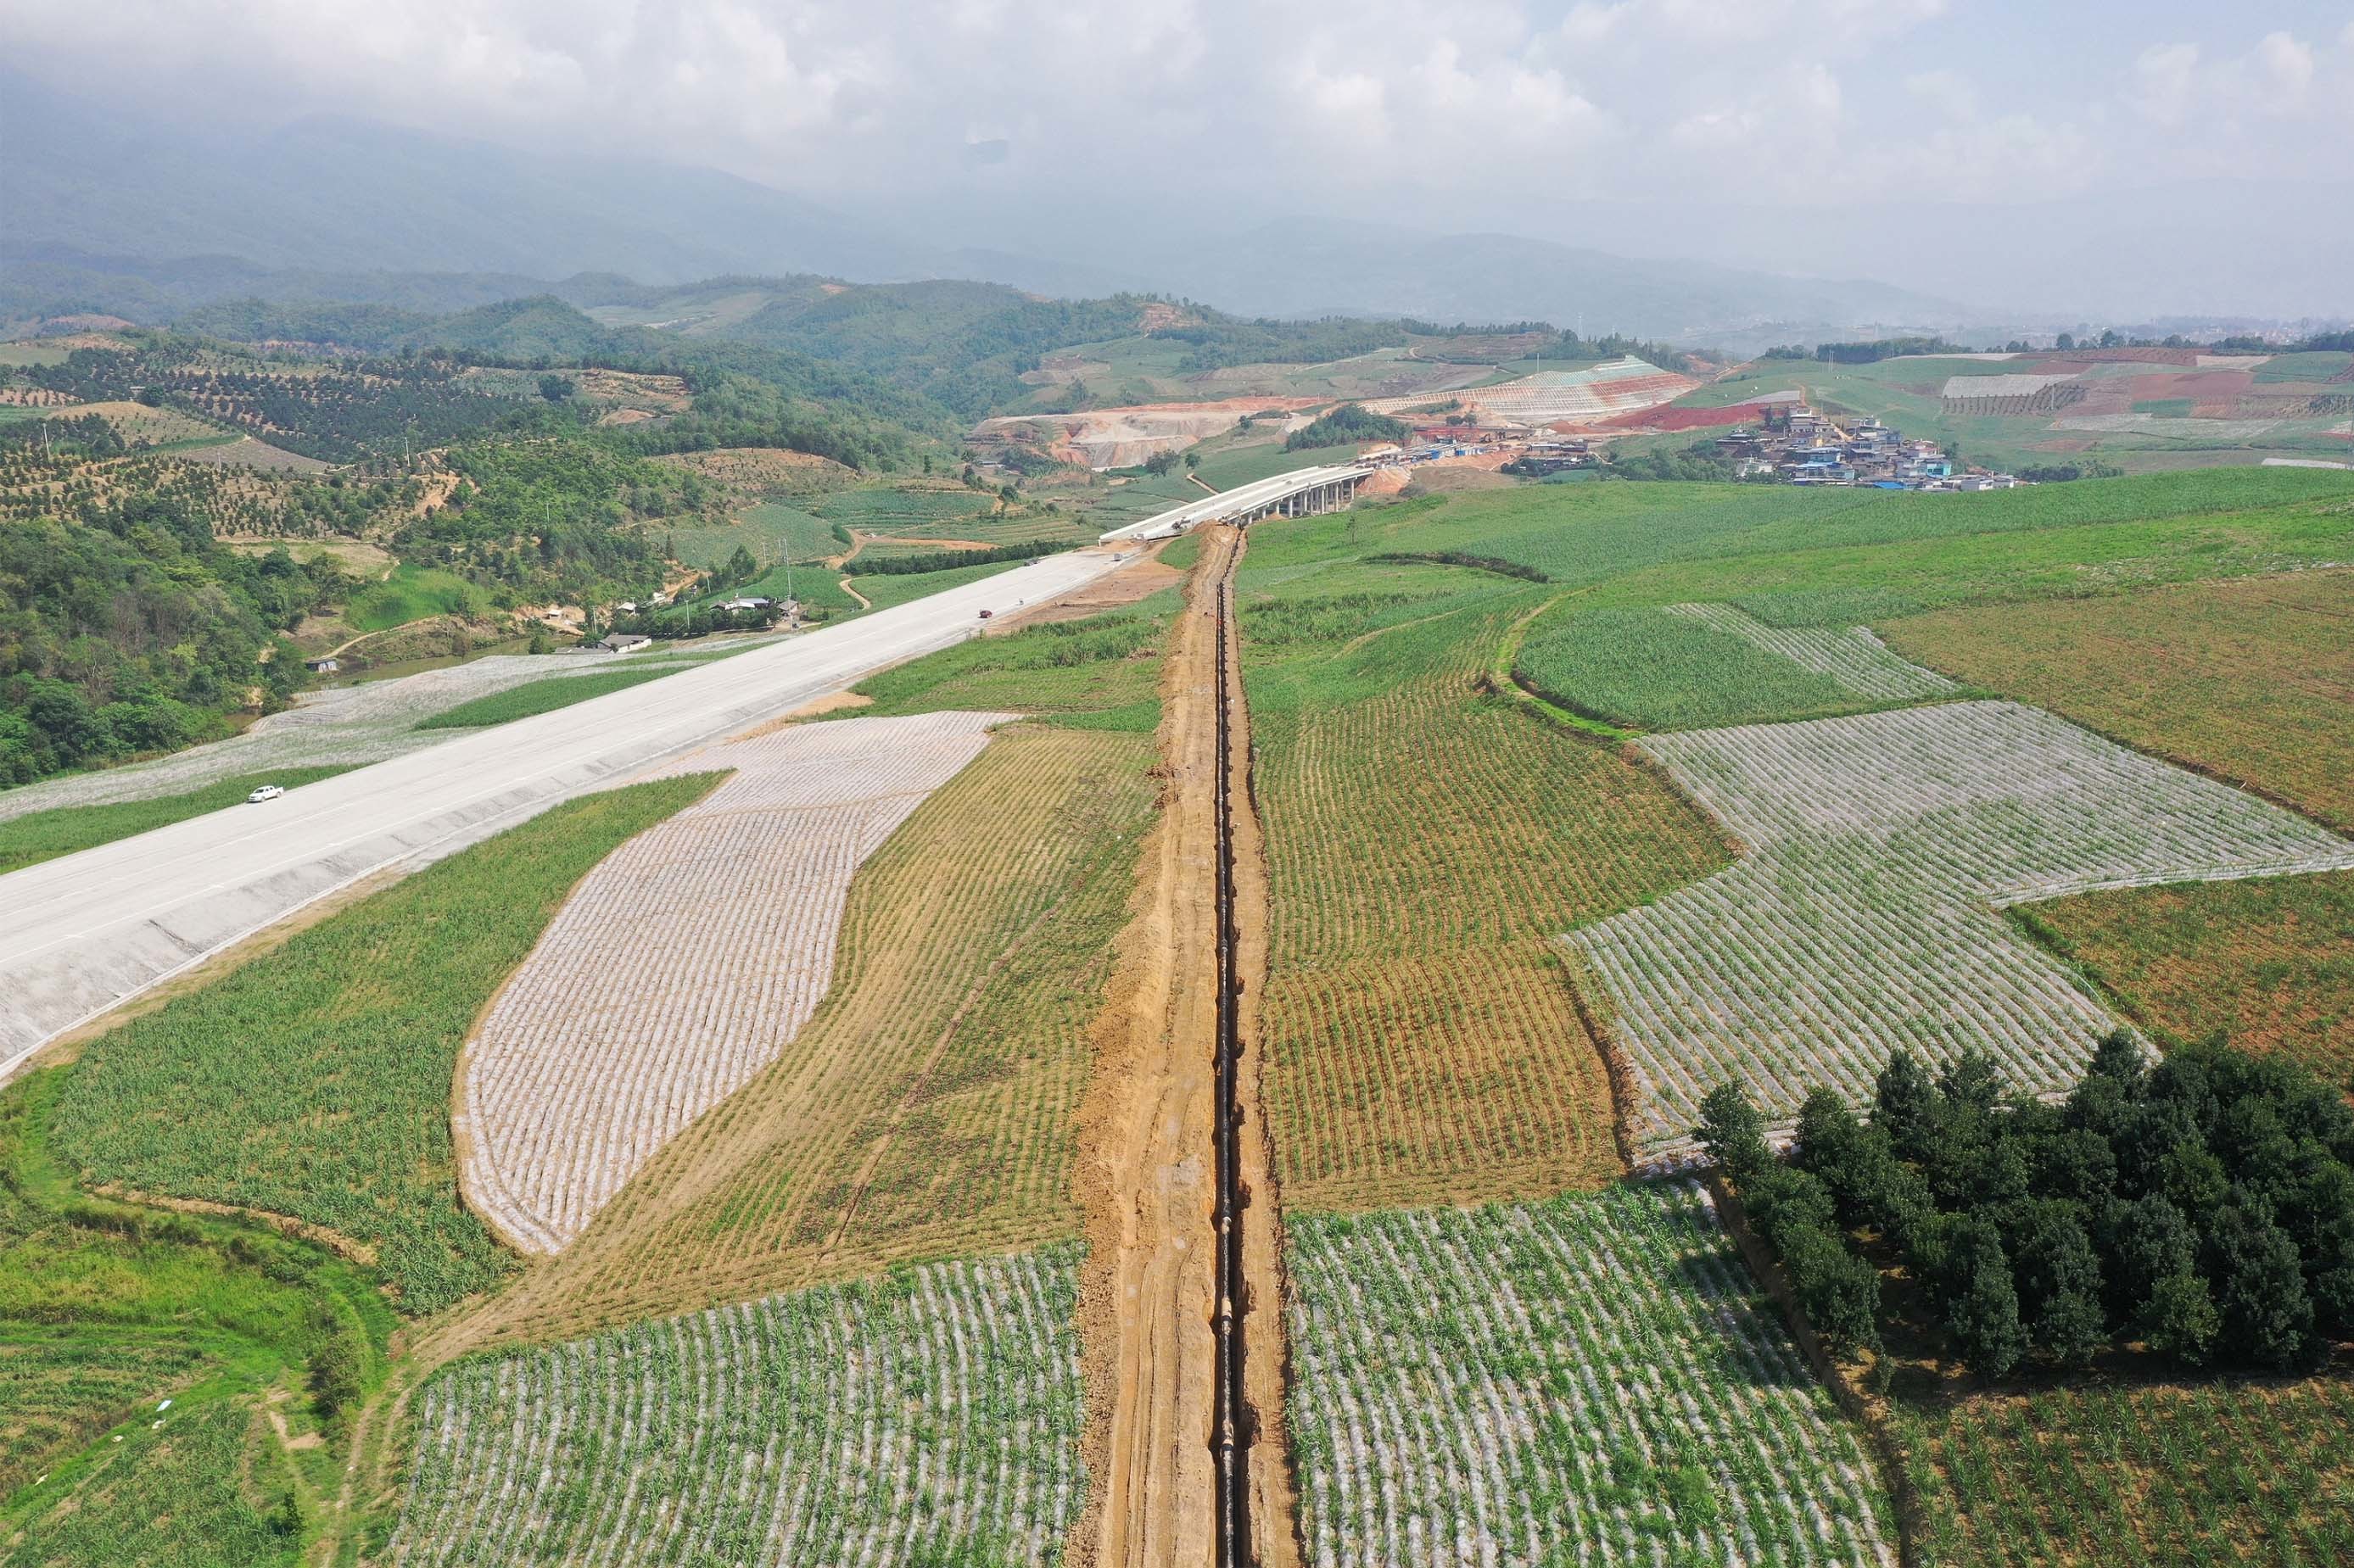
(1101, 673)
(1591, 1379)
(412, 593)
(314, 1082)
(1424, 842)
(1653, 669)
(163, 1330)
(37, 836)
(2248, 680)
(888, 588)
(767, 531)
(2227, 1471)
(541, 697)
(897, 511)
(928, 1416)
(176, 1494)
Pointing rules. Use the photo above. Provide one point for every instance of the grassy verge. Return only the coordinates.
(534, 697)
(412, 593)
(108, 1311)
(1102, 673)
(315, 1083)
(44, 835)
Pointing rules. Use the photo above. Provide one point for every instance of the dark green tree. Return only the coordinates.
(2267, 1315)
(1732, 1132)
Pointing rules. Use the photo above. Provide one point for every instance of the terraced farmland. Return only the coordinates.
(1864, 917)
(1590, 1379)
(600, 1050)
(931, 1415)
(1423, 841)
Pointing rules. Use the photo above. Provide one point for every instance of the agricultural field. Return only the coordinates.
(325, 1066)
(929, 1415)
(766, 532)
(2266, 964)
(2248, 681)
(596, 1052)
(1424, 842)
(412, 593)
(1690, 666)
(174, 1494)
(2218, 1472)
(1863, 917)
(136, 1347)
(1591, 1379)
(927, 1108)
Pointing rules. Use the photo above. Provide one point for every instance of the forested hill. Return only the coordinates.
(183, 519)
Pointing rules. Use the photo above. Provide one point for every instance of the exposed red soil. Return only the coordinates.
(1670, 417)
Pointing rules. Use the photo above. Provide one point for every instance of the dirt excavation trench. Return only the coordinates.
(1181, 1310)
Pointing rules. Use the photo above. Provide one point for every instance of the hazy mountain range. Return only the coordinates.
(316, 209)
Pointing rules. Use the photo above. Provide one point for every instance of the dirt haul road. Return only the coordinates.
(1148, 1171)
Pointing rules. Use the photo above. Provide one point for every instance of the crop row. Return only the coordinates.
(604, 1047)
(2223, 1471)
(1852, 656)
(1591, 1380)
(1423, 843)
(1864, 918)
(930, 1415)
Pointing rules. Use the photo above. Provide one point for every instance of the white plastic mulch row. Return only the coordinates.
(931, 1416)
(1593, 1380)
(685, 964)
(1865, 916)
(1852, 656)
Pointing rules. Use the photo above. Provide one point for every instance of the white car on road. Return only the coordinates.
(267, 792)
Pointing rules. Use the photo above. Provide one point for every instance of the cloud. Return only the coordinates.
(1484, 111)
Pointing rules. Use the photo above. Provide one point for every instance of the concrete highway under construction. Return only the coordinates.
(80, 934)
(1294, 494)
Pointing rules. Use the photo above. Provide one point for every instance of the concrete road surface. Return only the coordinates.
(80, 934)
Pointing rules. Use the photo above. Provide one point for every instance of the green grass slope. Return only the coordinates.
(314, 1082)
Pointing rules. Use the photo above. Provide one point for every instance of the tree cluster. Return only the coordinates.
(138, 635)
(2201, 1209)
(1884, 348)
(1348, 423)
(1699, 463)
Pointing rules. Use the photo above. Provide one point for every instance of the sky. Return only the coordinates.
(1481, 114)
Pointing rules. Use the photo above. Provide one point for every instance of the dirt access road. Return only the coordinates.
(1180, 1021)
